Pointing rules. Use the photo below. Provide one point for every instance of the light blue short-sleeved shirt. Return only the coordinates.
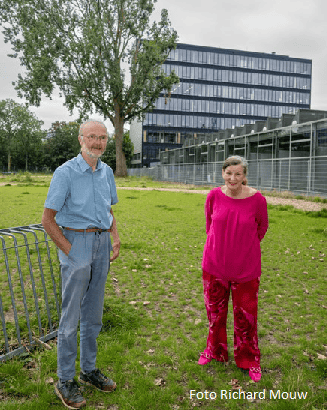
(81, 197)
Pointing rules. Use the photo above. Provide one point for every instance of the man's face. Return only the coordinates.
(94, 140)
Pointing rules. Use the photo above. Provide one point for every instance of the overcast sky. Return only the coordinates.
(296, 28)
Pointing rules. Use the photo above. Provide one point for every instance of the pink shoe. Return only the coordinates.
(255, 373)
(205, 358)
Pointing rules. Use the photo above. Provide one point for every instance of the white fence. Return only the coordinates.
(300, 175)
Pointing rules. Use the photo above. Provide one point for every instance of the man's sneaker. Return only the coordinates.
(98, 380)
(69, 393)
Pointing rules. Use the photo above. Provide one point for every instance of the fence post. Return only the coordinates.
(3, 322)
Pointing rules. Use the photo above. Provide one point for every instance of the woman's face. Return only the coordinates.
(234, 176)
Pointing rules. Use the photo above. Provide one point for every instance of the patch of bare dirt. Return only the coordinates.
(6, 183)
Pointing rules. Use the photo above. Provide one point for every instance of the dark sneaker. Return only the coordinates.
(98, 380)
(69, 393)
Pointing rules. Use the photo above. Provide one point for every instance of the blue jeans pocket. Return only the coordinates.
(72, 237)
(71, 249)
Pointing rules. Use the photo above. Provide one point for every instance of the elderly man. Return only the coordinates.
(80, 196)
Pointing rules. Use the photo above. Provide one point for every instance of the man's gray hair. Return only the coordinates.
(87, 122)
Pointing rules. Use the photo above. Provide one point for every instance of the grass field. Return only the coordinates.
(155, 322)
(43, 180)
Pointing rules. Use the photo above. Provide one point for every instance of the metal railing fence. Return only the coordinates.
(30, 289)
(300, 175)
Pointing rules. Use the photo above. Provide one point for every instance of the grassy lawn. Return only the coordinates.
(155, 322)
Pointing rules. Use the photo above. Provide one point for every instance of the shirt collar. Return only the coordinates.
(85, 166)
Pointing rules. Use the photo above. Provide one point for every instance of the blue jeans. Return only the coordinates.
(84, 274)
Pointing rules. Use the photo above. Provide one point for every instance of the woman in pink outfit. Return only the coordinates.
(236, 222)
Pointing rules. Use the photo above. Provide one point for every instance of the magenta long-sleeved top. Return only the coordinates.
(234, 228)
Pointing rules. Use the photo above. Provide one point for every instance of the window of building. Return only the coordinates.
(194, 56)
(278, 65)
(204, 57)
(222, 59)
(264, 63)
(282, 66)
(228, 123)
(151, 138)
(307, 68)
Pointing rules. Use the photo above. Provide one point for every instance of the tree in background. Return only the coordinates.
(27, 153)
(20, 134)
(62, 143)
(83, 46)
(109, 156)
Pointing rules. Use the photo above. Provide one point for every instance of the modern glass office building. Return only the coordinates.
(220, 89)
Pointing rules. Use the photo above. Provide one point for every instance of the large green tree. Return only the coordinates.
(104, 55)
(109, 156)
(20, 134)
(62, 143)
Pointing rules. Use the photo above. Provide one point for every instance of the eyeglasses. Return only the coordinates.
(101, 138)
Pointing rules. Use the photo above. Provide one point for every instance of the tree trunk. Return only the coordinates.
(9, 161)
(27, 149)
(121, 168)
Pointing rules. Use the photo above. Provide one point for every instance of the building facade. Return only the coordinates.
(289, 154)
(220, 89)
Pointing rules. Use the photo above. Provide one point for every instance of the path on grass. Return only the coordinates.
(297, 203)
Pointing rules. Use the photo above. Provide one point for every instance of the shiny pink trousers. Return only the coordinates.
(245, 308)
